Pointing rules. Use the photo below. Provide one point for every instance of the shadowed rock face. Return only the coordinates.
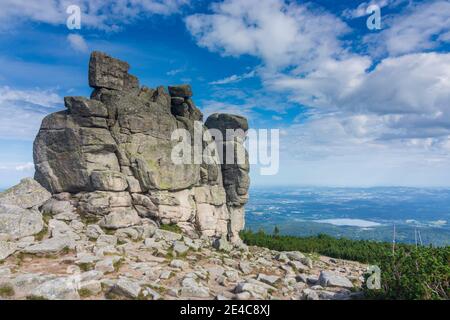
(111, 155)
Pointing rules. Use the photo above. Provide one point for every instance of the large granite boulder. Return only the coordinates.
(113, 154)
(16, 222)
(27, 194)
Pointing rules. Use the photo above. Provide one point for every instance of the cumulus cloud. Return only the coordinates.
(361, 9)
(389, 113)
(98, 14)
(23, 110)
(77, 42)
(280, 33)
(421, 27)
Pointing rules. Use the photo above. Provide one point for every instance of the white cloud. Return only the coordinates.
(175, 71)
(25, 166)
(361, 9)
(98, 14)
(77, 42)
(23, 110)
(209, 107)
(421, 27)
(278, 32)
(234, 78)
(369, 121)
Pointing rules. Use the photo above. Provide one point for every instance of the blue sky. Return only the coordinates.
(355, 107)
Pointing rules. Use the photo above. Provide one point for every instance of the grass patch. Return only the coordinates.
(6, 291)
(40, 236)
(86, 266)
(171, 227)
(118, 264)
(46, 217)
(170, 254)
(85, 293)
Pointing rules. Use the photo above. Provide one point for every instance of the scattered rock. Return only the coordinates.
(331, 279)
(180, 248)
(6, 249)
(179, 264)
(18, 222)
(57, 289)
(50, 246)
(222, 244)
(127, 288)
(271, 280)
(93, 231)
(191, 289)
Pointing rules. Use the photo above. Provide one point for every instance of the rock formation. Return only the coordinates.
(99, 229)
(110, 157)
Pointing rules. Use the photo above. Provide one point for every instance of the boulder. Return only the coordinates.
(17, 222)
(331, 279)
(181, 91)
(50, 246)
(64, 288)
(110, 73)
(127, 288)
(120, 218)
(27, 194)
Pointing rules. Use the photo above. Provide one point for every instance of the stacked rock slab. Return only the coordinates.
(110, 156)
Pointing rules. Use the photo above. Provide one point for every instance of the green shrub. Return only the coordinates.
(410, 273)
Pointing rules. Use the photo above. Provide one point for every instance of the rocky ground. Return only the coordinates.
(72, 259)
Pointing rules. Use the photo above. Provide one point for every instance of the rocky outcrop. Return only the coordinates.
(110, 157)
(27, 194)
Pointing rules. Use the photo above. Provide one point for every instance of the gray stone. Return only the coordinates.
(106, 240)
(107, 265)
(92, 286)
(167, 235)
(127, 287)
(222, 244)
(295, 255)
(331, 279)
(179, 264)
(108, 181)
(191, 289)
(245, 267)
(93, 231)
(310, 294)
(183, 91)
(110, 73)
(59, 229)
(50, 246)
(269, 279)
(58, 289)
(179, 247)
(120, 218)
(6, 249)
(27, 194)
(18, 222)
(255, 291)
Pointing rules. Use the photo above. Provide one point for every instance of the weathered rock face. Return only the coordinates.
(110, 155)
